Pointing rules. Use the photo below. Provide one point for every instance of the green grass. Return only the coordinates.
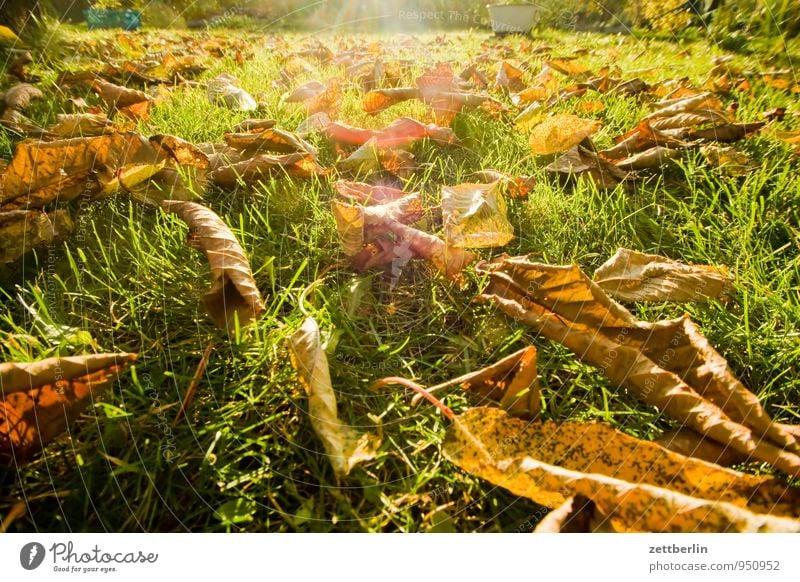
(245, 457)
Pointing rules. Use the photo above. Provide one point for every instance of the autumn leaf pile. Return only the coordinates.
(593, 476)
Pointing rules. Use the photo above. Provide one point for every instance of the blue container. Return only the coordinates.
(127, 19)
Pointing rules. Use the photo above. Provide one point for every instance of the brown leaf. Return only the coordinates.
(23, 230)
(268, 140)
(81, 124)
(20, 96)
(510, 77)
(179, 151)
(368, 194)
(560, 133)
(344, 446)
(568, 66)
(263, 166)
(729, 132)
(380, 99)
(38, 164)
(129, 102)
(580, 161)
(39, 399)
(637, 485)
(233, 291)
(634, 276)
(668, 364)
(655, 157)
(641, 138)
(517, 187)
(512, 382)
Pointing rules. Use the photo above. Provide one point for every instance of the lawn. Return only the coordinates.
(245, 456)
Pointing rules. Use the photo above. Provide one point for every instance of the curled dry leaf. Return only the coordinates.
(224, 90)
(130, 102)
(401, 132)
(372, 158)
(380, 99)
(668, 364)
(81, 124)
(39, 399)
(512, 186)
(268, 140)
(233, 291)
(344, 446)
(636, 485)
(643, 137)
(23, 230)
(727, 132)
(64, 164)
(20, 96)
(475, 216)
(264, 165)
(513, 382)
(634, 276)
(560, 133)
(655, 157)
(580, 161)
(368, 194)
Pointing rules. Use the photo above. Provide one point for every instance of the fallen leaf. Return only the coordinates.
(380, 99)
(263, 166)
(130, 102)
(580, 161)
(372, 158)
(23, 230)
(636, 485)
(270, 139)
(560, 133)
(512, 382)
(401, 132)
(345, 447)
(81, 125)
(687, 442)
(668, 364)
(653, 158)
(475, 216)
(40, 399)
(20, 96)
(510, 77)
(233, 293)
(634, 276)
(224, 90)
(517, 187)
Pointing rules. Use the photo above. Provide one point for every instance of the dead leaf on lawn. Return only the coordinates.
(23, 230)
(475, 216)
(81, 125)
(344, 446)
(560, 133)
(634, 276)
(263, 166)
(19, 96)
(224, 90)
(668, 364)
(233, 292)
(517, 187)
(637, 485)
(580, 161)
(39, 399)
(513, 382)
(130, 102)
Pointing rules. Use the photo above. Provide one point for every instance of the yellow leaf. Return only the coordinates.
(344, 446)
(668, 364)
(561, 132)
(636, 485)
